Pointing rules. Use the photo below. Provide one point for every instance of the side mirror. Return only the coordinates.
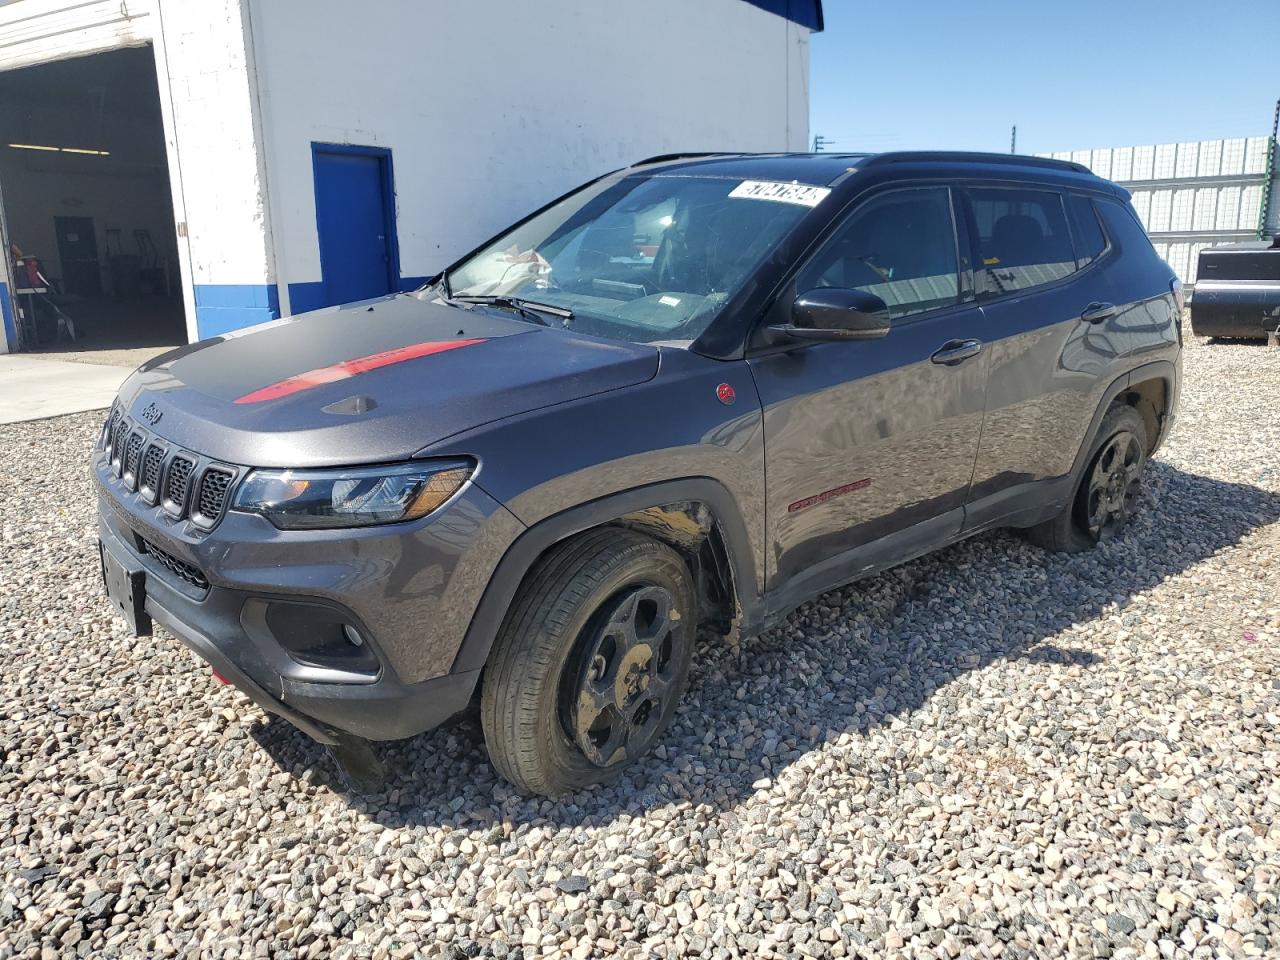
(834, 313)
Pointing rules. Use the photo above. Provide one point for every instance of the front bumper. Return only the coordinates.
(410, 589)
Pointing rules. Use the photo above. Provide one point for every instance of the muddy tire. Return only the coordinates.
(590, 662)
(1107, 489)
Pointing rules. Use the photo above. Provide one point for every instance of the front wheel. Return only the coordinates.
(1105, 495)
(590, 662)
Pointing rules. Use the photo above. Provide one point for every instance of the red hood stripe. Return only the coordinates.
(349, 368)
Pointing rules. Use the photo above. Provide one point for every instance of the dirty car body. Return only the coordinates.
(631, 373)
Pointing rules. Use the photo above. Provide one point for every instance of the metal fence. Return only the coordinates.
(1194, 195)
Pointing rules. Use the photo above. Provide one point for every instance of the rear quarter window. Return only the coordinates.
(1091, 242)
(1122, 223)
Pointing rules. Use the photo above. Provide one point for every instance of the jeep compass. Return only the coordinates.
(693, 393)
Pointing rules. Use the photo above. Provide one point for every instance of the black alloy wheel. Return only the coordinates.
(627, 669)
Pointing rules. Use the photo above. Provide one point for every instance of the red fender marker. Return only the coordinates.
(349, 368)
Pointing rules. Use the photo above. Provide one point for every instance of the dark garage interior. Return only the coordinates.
(87, 203)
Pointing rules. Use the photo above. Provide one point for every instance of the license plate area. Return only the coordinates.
(127, 591)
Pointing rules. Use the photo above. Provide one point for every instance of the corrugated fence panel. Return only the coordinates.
(1101, 163)
(1143, 162)
(1122, 164)
(1228, 216)
(1183, 206)
(1188, 160)
(1250, 207)
(1206, 208)
(1233, 156)
(1210, 158)
(1161, 208)
(1142, 206)
(1255, 155)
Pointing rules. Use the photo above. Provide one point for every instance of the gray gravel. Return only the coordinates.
(988, 752)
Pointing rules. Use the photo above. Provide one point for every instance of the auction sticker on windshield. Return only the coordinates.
(798, 193)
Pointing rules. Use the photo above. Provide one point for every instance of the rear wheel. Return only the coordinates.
(590, 662)
(1105, 496)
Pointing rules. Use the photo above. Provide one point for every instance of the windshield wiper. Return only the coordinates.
(529, 309)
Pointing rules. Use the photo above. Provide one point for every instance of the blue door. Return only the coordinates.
(356, 222)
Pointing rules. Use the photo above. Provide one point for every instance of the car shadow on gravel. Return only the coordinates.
(847, 663)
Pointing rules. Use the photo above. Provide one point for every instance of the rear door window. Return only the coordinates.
(1023, 239)
(1091, 242)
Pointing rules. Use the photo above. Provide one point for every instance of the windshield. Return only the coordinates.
(645, 258)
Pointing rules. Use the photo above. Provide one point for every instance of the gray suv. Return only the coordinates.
(693, 393)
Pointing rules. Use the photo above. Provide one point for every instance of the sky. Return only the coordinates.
(1072, 74)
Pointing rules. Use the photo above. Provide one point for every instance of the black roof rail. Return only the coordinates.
(1010, 159)
(693, 155)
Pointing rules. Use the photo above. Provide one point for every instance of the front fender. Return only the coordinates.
(535, 541)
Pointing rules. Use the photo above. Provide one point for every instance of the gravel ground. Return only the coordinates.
(988, 752)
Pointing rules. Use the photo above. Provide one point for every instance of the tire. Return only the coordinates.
(589, 664)
(1075, 529)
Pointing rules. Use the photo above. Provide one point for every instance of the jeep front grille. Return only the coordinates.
(117, 444)
(175, 490)
(132, 458)
(187, 485)
(149, 478)
(213, 494)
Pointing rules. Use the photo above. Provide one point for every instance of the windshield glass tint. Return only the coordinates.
(640, 259)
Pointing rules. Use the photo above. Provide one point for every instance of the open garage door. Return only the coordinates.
(88, 210)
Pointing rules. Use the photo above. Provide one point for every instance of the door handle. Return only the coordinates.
(956, 351)
(1097, 311)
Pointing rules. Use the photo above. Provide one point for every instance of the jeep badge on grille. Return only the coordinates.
(152, 414)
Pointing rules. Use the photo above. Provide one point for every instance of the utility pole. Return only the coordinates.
(1013, 140)
(819, 142)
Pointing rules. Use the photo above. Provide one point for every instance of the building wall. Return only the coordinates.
(489, 108)
(211, 139)
(493, 107)
(203, 59)
(1191, 195)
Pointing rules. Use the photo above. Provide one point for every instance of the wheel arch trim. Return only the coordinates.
(1164, 370)
(524, 552)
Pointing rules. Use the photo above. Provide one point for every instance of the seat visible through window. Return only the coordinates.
(1023, 239)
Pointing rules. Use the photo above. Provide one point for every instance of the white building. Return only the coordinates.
(183, 168)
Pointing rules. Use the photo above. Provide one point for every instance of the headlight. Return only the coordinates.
(352, 497)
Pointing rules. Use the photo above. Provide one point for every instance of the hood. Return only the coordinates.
(368, 382)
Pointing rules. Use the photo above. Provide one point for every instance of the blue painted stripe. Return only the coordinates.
(306, 296)
(6, 319)
(223, 307)
(807, 13)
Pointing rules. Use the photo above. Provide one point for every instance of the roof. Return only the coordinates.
(807, 13)
(824, 169)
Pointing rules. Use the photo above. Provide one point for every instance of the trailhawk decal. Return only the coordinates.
(829, 495)
(801, 194)
(349, 368)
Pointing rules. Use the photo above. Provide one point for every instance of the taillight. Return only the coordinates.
(1175, 286)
